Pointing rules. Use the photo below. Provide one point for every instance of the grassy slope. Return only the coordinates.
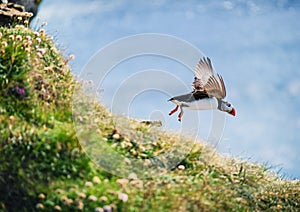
(42, 166)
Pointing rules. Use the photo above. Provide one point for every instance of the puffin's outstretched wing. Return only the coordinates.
(206, 81)
(215, 87)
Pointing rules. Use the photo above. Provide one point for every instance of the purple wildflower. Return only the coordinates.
(20, 91)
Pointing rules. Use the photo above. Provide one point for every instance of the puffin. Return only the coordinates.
(208, 93)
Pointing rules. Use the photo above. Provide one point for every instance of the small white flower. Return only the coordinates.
(64, 198)
(123, 197)
(19, 27)
(42, 196)
(88, 184)
(42, 32)
(27, 14)
(57, 208)
(18, 37)
(11, 37)
(96, 180)
(181, 167)
(82, 195)
(92, 198)
(27, 50)
(3, 44)
(39, 54)
(103, 199)
(107, 208)
(69, 202)
(39, 206)
(99, 209)
(42, 51)
(80, 205)
(116, 136)
(53, 49)
(123, 145)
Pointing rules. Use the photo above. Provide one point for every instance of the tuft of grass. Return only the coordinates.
(43, 167)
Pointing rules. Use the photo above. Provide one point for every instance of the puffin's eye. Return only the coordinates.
(229, 105)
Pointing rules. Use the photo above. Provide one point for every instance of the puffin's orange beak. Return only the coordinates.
(232, 112)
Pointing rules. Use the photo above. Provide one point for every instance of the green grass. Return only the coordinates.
(42, 165)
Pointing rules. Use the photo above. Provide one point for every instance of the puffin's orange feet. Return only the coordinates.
(180, 115)
(173, 111)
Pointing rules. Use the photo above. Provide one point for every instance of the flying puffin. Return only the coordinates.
(209, 92)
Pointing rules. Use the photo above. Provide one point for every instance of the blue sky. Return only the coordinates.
(255, 45)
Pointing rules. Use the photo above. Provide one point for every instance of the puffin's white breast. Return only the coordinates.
(203, 104)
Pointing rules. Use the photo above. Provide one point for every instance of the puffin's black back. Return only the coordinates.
(190, 97)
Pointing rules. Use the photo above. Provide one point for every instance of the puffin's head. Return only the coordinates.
(227, 107)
